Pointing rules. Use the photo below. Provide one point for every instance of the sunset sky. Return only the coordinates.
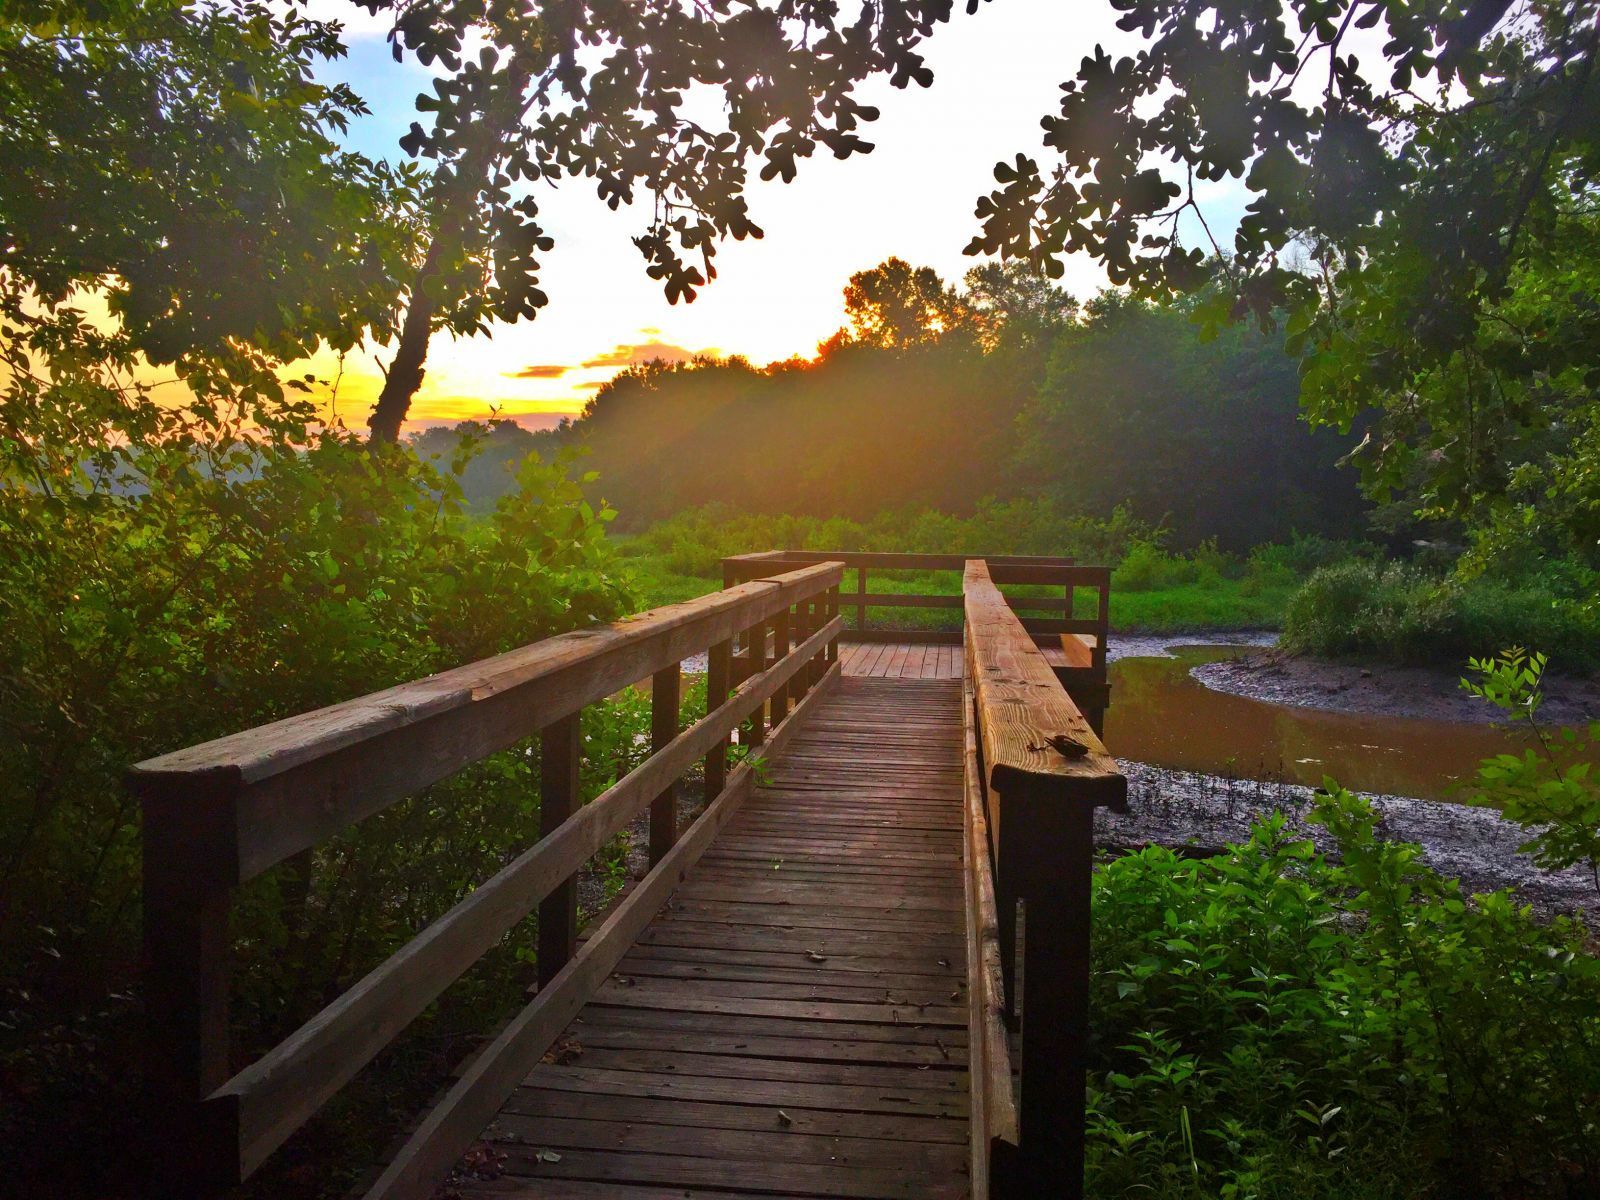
(996, 73)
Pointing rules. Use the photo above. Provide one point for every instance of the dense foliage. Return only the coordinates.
(1551, 789)
(1420, 216)
(616, 94)
(1277, 1022)
(161, 593)
(940, 397)
(1422, 614)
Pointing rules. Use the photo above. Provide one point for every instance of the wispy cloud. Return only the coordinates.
(634, 354)
(539, 371)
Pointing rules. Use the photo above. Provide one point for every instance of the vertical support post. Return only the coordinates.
(780, 650)
(829, 611)
(187, 948)
(1103, 619)
(806, 625)
(756, 638)
(1049, 840)
(666, 693)
(560, 754)
(861, 594)
(718, 667)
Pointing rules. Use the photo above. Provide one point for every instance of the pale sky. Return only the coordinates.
(996, 73)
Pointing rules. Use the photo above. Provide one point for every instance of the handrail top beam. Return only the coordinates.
(1024, 711)
(897, 560)
(254, 755)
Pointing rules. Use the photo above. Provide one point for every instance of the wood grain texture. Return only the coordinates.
(791, 1023)
(450, 1127)
(291, 784)
(277, 1093)
(1023, 709)
(993, 1097)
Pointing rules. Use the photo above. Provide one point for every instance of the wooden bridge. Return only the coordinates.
(860, 971)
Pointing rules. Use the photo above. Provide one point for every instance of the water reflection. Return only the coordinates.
(1159, 714)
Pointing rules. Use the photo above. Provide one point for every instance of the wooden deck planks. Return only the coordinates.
(901, 660)
(793, 1023)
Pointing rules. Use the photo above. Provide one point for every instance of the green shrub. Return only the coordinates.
(205, 578)
(1147, 568)
(1404, 614)
(1551, 788)
(1270, 1022)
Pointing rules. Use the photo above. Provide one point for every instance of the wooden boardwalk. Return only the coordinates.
(794, 1023)
(907, 660)
(811, 991)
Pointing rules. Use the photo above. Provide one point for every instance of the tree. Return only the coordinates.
(894, 306)
(1014, 300)
(1201, 436)
(1400, 201)
(613, 93)
(173, 162)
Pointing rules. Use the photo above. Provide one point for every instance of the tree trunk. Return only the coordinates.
(405, 372)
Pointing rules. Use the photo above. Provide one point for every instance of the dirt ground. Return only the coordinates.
(1281, 678)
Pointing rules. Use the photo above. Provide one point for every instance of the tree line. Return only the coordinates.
(934, 396)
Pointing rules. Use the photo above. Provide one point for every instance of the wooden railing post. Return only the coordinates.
(1043, 773)
(861, 597)
(1046, 859)
(780, 647)
(666, 694)
(187, 897)
(561, 752)
(829, 613)
(756, 640)
(719, 665)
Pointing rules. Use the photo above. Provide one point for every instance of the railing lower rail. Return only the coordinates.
(1036, 772)
(219, 814)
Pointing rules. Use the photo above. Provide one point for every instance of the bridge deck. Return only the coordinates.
(794, 1023)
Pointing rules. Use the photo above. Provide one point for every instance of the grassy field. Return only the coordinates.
(1211, 601)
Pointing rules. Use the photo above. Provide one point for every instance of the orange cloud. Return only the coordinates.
(540, 371)
(636, 354)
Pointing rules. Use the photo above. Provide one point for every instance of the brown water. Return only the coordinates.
(1161, 715)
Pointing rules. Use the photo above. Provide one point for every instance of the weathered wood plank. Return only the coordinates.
(813, 963)
(292, 784)
(276, 1094)
(494, 1074)
(1023, 709)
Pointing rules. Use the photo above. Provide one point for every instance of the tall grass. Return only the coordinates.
(1402, 613)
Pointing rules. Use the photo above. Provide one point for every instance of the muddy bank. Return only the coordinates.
(1161, 645)
(1471, 844)
(1278, 677)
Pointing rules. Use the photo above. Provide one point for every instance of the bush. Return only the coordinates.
(1148, 568)
(1403, 614)
(1270, 1022)
(200, 581)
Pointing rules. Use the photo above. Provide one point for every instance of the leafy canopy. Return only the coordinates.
(1421, 214)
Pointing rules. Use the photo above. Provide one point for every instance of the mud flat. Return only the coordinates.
(1475, 845)
(1278, 677)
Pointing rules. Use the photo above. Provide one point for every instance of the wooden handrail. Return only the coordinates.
(294, 783)
(1042, 771)
(227, 801)
(900, 561)
(1085, 685)
(993, 1104)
